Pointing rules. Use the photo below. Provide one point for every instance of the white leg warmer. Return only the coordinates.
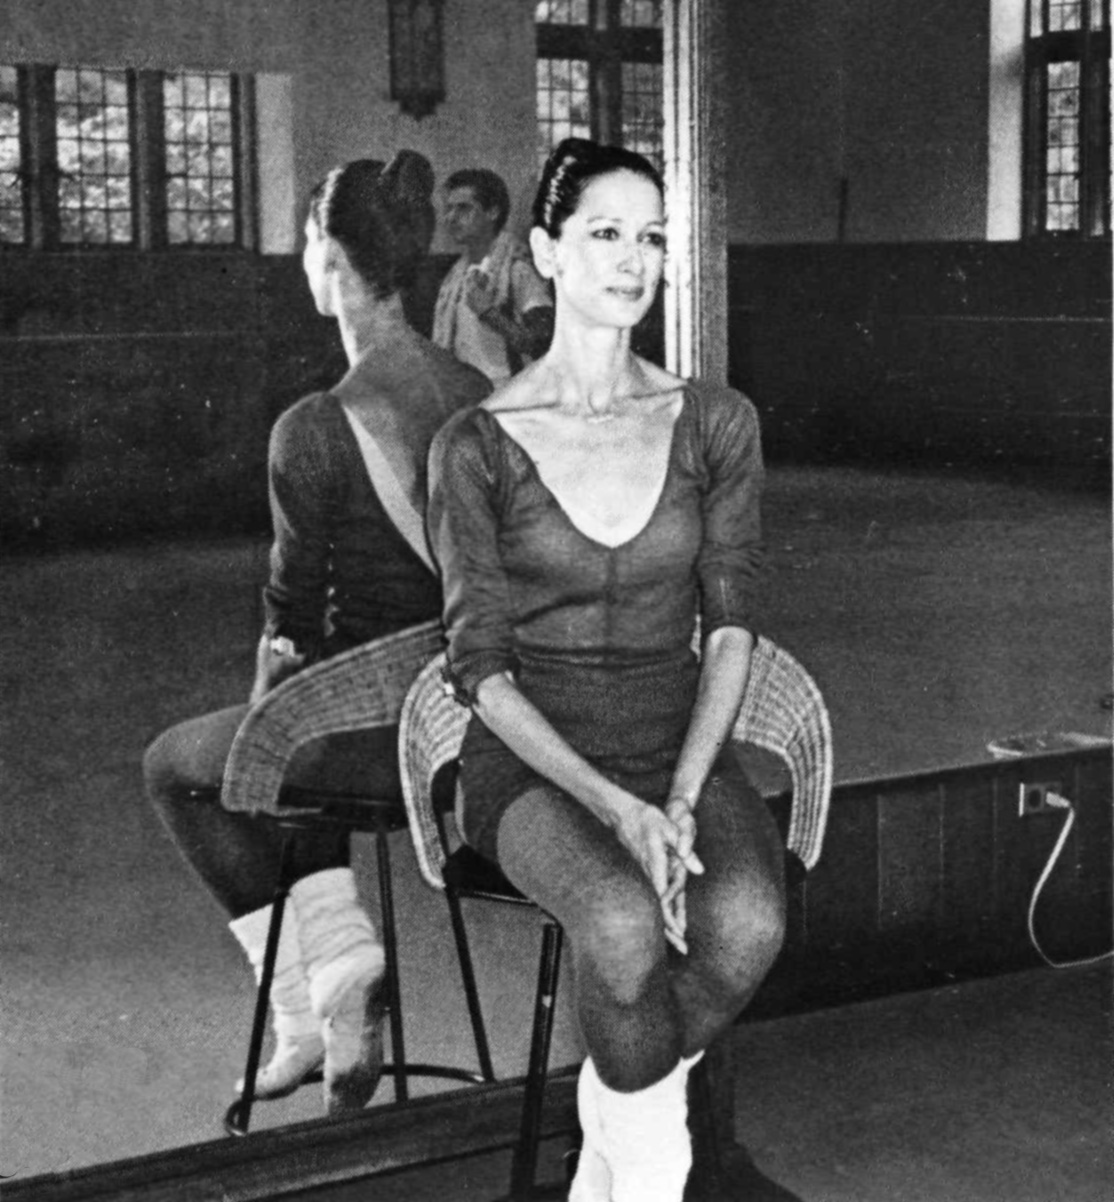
(344, 964)
(592, 1182)
(646, 1138)
(299, 1048)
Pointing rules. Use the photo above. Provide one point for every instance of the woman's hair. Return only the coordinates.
(382, 215)
(572, 165)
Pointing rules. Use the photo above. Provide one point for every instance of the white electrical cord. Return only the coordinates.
(1059, 803)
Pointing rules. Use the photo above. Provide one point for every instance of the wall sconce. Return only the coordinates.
(417, 56)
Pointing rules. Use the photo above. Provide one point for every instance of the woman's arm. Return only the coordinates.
(301, 491)
(724, 668)
(730, 554)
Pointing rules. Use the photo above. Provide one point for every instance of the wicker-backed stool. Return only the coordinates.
(358, 690)
(782, 712)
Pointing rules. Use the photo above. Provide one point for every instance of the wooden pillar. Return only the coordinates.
(696, 60)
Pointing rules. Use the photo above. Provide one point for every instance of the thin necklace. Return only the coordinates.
(608, 415)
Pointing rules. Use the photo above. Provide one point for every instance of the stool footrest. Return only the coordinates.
(234, 1117)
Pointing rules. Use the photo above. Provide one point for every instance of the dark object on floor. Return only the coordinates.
(722, 1169)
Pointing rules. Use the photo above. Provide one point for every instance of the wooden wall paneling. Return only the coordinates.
(841, 903)
(967, 878)
(910, 859)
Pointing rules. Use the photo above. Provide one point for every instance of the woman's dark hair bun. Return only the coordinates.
(381, 214)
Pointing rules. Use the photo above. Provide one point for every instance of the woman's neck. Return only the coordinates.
(592, 367)
(370, 323)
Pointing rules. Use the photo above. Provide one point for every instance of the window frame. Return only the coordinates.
(1090, 47)
(605, 44)
(39, 169)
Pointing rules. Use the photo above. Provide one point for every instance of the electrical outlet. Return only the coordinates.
(1032, 797)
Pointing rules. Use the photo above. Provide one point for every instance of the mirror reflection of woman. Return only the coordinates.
(585, 516)
(341, 574)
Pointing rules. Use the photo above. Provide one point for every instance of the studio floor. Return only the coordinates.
(937, 612)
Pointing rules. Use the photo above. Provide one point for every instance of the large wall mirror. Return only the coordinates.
(932, 387)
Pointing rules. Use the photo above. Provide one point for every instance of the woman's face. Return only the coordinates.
(315, 263)
(607, 262)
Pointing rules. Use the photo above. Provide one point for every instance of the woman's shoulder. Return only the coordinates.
(312, 414)
(522, 391)
(466, 381)
(467, 434)
(721, 405)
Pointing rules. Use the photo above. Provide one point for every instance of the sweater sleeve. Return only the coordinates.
(302, 492)
(732, 550)
(463, 531)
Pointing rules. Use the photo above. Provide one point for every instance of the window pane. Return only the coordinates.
(563, 103)
(642, 14)
(198, 137)
(221, 163)
(12, 227)
(199, 227)
(120, 227)
(94, 227)
(1064, 14)
(224, 228)
(642, 109)
(176, 228)
(561, 12)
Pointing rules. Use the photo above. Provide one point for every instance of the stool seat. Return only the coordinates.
(470, 874)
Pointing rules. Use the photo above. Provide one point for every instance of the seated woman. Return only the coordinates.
(585, 515)
(341, 574)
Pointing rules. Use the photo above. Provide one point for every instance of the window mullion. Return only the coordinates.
(42, 162)
(1083, 54)
(1095, 138)
(609, 74)
(1036, 121)
(245, 166)
(150, 161)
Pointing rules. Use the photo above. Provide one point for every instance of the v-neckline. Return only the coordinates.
(556, 502)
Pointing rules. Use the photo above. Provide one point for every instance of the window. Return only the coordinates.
(13, 220)
(92, 142)
(199, 129)
(1067, 161)
(91, 157)
(599, 73)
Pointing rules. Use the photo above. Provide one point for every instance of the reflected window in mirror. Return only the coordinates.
(108, 159)
(1067, 118)
(93, 119)
(199, 122)
(13, 192)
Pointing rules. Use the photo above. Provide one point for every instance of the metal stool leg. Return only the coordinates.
(524, 1164)
(400, 1068)
(471, 993)
(390, 947)
(238, 1115)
